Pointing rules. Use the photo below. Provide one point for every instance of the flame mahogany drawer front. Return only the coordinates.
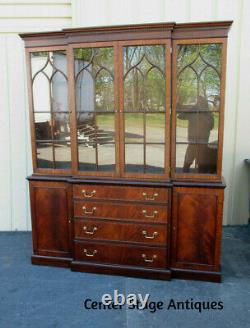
(140, 194)
(122, 211)
(152, 257)
(115, 231)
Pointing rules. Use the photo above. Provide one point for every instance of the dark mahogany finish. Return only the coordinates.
(140, 194)
(51, 213)
(121, 211)
(149, 257)
(157, 225)
(115, 231)
(196, 228)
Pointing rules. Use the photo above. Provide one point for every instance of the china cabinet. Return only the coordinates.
(127, 133)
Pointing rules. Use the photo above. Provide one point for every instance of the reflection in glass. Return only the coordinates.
(44, 155)
(155, 128)
(94, 75)
(61, 127)
(106, 157)
(49, 81)
(87, 157)
(62, 156)
(50, 105)
(155, 159)
(134, 158)
(198, 103)
(42, 126)
(144, 78)
(133, 127)
(105, 128)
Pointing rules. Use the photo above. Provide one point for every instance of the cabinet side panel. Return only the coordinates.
(50, 218)
(196, 229)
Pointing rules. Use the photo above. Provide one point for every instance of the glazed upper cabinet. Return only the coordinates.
(119, 103)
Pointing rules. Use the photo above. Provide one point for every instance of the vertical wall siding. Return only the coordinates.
(44, 15)
(15, 161)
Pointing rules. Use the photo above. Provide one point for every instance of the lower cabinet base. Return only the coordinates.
(196, 275)
(62, 262)
(122, 270)
(126, 270)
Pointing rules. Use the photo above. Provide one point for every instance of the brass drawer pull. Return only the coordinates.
(88, 195)
(145, 234)
(89, 212)
(150, 216)
(90, 254)
(88, 232)
(155, 195)
(144, 256)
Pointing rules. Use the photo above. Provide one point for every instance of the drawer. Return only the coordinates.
(115, 231)
(153, 257)
(141, 194)
(122, 211)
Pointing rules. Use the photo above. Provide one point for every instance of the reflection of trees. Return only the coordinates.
(144, 78)
(198, 72)
(99, 64)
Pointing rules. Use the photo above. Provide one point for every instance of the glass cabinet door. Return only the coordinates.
(144, 104)
(94, 76)
(197, 103)
(49, 82)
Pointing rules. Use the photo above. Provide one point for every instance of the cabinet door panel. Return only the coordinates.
(50, 205)
(196, 228)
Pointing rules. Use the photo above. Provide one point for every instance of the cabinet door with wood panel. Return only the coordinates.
(196, 228)
(50, 208)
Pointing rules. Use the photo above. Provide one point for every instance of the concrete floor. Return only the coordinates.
(39, 296)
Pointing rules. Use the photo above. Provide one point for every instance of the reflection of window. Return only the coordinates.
(144, 106)
(50, 105)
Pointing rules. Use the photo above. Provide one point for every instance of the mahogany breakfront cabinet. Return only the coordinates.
(127, 133)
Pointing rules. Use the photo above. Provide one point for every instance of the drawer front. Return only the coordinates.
(141, 194)
(124, 211)
(152, 257)
(131, 232)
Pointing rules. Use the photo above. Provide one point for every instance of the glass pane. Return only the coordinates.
(61, 127)
(106, 157)
(43, 126)
(94, 75)
(198, 103)
(144, 78)
(62, 155)
(198, 74)
(87, 157)
(133, 127)
(49, 81)
(196, 158)
(134, 161)
(155, 128)
(155, 159)
(105, 128)
(197, 127)
(44, 155)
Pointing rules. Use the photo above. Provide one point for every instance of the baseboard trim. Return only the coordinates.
(62, 262)
(196, 275)
(123, 270)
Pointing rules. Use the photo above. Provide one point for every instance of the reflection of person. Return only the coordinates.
(200, 123)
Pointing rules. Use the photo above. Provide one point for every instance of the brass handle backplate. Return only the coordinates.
(89, 232)
(90, 254)
(89, 212)
(144, 256)
(145, 234)
(155, 195)
(87, 194)
(144, 212)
